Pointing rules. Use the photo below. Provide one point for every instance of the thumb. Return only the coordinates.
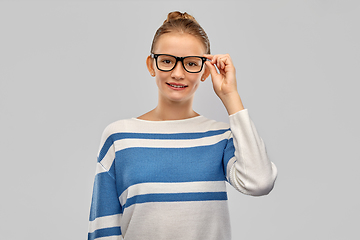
(211, 68)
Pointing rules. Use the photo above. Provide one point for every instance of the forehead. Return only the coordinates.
(179, 44)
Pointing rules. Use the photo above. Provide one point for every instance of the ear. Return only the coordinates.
(150, 65)
(205, 74)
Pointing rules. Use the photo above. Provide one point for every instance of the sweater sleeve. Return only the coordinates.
(106, 210)
(248, 167)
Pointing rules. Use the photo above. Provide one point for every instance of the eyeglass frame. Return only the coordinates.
(178, 59)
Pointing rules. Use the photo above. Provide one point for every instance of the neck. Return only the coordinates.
(167, 110)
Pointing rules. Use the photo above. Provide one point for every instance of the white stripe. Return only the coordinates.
(228, 167)
(108, 158)
(178, 219)
(110, 238)
(180, 187)
(169, 143)
(105, 222)
(199, 124)
(99, 169)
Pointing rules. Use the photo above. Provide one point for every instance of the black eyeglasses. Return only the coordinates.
(166, 62)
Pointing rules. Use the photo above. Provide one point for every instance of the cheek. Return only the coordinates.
(158, 81)
(196, 80)
(160, 78)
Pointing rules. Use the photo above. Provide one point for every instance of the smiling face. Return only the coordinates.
(177, 85)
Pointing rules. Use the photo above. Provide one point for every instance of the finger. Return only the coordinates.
(222, 63)
(214, 59)
(211, 59)
(212, 68)
(222, 72)
(208, 56)
(228, 60)
(219, 60)
(229, 64)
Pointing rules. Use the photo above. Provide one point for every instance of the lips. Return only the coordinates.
(177, 85)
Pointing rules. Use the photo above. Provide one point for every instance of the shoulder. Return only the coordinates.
(213, 124)
(117, 127)
(133, 125)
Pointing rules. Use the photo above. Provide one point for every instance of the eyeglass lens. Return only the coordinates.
(191, 64)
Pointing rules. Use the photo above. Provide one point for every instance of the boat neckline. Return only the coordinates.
(163, 121)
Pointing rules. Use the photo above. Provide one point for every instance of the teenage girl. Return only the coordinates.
(162, 175)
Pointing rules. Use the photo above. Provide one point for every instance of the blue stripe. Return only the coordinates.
(105, 200)
(105, 232)
(168, 136)
(105, 148)
(140, 165)
(229, 153)
(112, 170)
(164, 136)
(176, 197)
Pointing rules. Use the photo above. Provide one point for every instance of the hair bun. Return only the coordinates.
(178, 22)
(178, 15)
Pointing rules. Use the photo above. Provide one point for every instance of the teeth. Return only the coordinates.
(176, 86)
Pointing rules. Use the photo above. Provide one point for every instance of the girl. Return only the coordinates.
(162, 175)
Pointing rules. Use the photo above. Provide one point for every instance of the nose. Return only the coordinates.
(178, 72)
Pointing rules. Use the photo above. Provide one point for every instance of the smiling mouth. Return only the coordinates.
(177, 86)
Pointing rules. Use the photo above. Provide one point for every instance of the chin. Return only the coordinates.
(179, 99)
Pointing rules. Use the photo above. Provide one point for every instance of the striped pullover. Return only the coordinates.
(166, 180)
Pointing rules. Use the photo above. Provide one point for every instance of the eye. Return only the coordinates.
(192, 64)
(166, 61)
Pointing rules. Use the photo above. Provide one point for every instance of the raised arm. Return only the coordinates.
(249, 169)
(224, 81)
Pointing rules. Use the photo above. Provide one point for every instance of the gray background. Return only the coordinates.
(69, 68)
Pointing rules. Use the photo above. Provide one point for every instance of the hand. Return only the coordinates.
(224, 81)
